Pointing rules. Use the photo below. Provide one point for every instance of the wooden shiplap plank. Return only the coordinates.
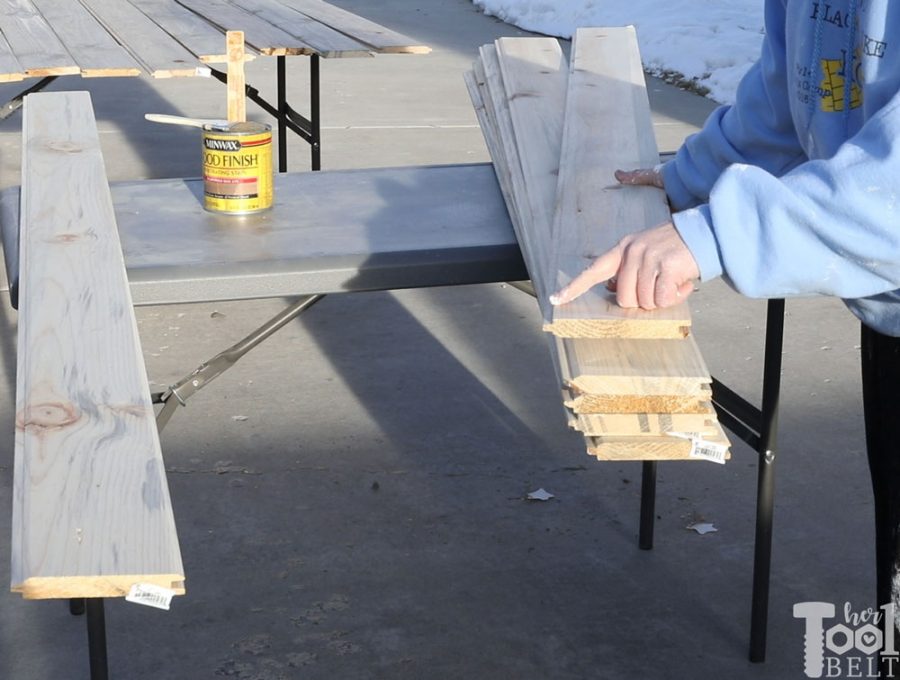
(195, 33)
(91, 509)
(650, 448)
(624, 391)
(92, 47)
(627, 366)
(534, 75)
(32, 40)
(160, 53)
(10, 69)
(262, 35)
(642, 424)
(326, 41)
(638, 403)
(607, 127)
(380, 38)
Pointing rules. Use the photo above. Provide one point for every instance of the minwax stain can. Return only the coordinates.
(237, 168)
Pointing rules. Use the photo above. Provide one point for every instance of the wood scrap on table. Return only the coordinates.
(627, 376)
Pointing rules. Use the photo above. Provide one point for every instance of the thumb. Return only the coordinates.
(602, 269)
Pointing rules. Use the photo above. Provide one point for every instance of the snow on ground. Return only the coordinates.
(710, 43)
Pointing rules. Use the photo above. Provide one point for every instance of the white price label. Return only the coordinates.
(150, 595)
(710, 451)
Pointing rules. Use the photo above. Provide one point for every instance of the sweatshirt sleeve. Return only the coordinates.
(757, 130)
(829, 227)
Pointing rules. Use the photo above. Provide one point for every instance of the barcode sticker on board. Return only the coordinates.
(150, 595)
(710, 451)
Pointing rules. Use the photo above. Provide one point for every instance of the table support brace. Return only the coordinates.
(14, 104)
(181, 391)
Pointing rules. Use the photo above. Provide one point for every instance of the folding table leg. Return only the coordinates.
(209, 370)
(96, 624)
(14, 104)
(648, 504)
(315, 124)
(282, 117)
(765, 498)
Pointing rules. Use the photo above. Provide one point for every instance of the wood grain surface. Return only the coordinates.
(91, 508)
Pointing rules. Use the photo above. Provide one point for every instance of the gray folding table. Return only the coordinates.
(359, 230)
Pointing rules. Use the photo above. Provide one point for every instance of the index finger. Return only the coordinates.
(600, 270)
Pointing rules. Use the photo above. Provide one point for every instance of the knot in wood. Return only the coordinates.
(65, 146)
(50, 415)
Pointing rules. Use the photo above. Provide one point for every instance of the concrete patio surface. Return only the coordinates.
(350, 498)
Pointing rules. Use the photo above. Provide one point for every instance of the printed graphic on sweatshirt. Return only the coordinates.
(830, 84)
(833, 87)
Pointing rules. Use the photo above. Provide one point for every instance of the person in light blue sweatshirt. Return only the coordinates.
(795, 190)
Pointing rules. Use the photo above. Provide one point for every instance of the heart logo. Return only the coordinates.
(868, 638)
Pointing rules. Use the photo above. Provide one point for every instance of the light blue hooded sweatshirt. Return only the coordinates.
(795, 189)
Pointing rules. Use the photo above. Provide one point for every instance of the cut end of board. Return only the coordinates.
(655, 329)
(674, 446)
(62, 587)
(110, 73)
(411, 49)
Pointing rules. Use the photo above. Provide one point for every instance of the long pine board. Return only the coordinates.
(265, 37)
(11, 71)
(534, 74)
(326, 41)
(34, 43)
(192, 31)
(607, 127)
(162, 56)
(92, 47)
(645, 448)
(616, 366)
(91, 509)
(636, 403)
(380, 38)
(642, 424)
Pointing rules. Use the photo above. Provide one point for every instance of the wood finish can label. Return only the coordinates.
(237, 168)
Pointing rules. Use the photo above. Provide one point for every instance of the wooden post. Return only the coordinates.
(237, 101)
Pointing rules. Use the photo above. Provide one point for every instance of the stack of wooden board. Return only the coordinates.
(633, 381)
(170, 38)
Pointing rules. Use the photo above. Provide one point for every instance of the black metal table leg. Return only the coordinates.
(76, 606)
(314, 101)
(96, 624)
(766, 480)
(310, 130)
(16, 102)
(648, 504)
(285, 114)
(281, 77)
